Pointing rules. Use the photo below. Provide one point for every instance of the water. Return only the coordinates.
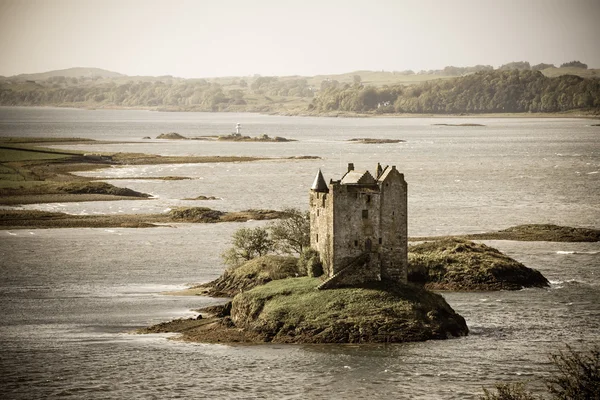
(70, 297)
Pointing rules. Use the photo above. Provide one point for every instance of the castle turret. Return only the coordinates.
(319, 184)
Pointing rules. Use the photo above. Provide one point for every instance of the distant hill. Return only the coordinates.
(76, 72)
(476, 89)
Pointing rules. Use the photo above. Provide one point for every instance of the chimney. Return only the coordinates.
(379, 170)
(350, 167)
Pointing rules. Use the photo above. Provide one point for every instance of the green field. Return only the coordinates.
(13, 155)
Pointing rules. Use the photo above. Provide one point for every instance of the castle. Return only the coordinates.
(359, 226)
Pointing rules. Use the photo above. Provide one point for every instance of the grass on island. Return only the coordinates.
(252, 273)
(292, 310)
(528, 233)
(466, 124)
(15, 219)
(448, 264)
(542, 232)
(376, 141)
(458, 264)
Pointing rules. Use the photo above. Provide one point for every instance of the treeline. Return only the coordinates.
(514, 87)
(514, 90)
(521, 65)
(195, 94)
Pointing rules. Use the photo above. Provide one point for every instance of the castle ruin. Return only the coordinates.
(359, 226)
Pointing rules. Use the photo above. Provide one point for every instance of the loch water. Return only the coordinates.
(70, 298)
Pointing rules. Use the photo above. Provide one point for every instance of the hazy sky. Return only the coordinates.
(302, 37)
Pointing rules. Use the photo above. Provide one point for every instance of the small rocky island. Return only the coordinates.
(233, 137)
(464, 124)
(294, 311)
(238, 137)
(462, 265)
(171, 136)
(376, 141)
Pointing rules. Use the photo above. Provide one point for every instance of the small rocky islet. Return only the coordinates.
(462, 265)
(233, 137)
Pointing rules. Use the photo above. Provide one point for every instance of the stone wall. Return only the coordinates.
(356, 223)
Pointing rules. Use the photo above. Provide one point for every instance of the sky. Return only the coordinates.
(195, 39)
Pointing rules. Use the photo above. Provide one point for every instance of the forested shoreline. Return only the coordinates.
(485, 91)
(516, 91)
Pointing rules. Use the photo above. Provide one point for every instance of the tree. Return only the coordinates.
(541, 66)
(291, 234)
(508, 392)
(248, 244)
(578, 375)
(576, 64)
(577, 378)
(356, 79)
(515, 65)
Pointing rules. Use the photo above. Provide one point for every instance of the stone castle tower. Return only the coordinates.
(359, 226)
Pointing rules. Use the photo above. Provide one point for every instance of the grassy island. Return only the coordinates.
(542, 232)
(458, 264)
(529, 233)
(236, 137)
(233, 137)
(16, 219)
(376, 141)
(293, 311)
(465, 124)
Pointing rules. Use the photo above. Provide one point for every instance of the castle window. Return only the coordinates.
(317, 212)
(317, 238)
(380, 241)
(365, 214)
(368, 199)
(355, 243)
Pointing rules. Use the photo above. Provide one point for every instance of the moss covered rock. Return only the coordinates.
(458, 264)
(195, 214)
(171, 136)
(253, 273)
(294, 311)
(83, 187)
